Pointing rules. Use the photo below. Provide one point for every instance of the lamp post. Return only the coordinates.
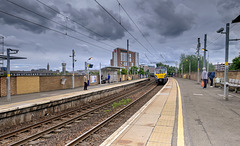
(226, 87)
(205, 50)
(87, 68)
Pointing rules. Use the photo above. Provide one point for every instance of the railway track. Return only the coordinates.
(65, 120)
(106, 121)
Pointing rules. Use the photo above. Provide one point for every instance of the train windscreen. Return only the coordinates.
(160, 70)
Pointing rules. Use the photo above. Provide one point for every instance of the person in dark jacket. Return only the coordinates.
(85, 82)
(109, 78)
(212, 76)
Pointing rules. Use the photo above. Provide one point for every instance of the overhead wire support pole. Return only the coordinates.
(100, 75)
(127, 59)
(198, 48)
(73, 60)
(205, 48)
(8, 57)
(8, 75)
(2, 43)
(226, 63)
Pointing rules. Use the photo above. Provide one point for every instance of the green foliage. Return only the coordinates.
(93, 73)
(192, 61)
(124, 71)
(235, 64)
(106, 111)
(116, 105)
(133, 70)
(121, 102)
(170, 69)
(141, 71)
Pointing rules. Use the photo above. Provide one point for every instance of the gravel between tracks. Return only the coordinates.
(76, 129)
(96, 139)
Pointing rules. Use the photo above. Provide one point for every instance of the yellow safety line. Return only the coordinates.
(180, 137)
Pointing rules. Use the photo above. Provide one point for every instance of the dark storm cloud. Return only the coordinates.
(11, 8)
(166, 18)
(228, 10)
(99, 21)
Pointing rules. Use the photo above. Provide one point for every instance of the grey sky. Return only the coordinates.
(171, 26)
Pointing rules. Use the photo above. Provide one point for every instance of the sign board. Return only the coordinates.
(90, 65)
(93, 79)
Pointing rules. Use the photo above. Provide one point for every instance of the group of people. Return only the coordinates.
(206, 75)
(86, 81)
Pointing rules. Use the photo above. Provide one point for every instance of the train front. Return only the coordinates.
(161, 75)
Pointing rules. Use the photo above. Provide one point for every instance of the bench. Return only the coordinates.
(234, 83)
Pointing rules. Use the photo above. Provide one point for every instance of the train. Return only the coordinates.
(160, 75)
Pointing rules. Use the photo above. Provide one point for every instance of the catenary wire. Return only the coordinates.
(74, 21)
(122, 26)
(57, 31)
(137, 27)
(57, 22)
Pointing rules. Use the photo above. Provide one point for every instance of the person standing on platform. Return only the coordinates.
(212, 76)
(85, 82)
(204, 77)
(108, 78)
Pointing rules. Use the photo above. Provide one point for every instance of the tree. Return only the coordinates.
(133, 70)
(170, 69)
(123, 72)
(235, 64)
(141, 71)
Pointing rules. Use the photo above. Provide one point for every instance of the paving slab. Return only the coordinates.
(152, 124)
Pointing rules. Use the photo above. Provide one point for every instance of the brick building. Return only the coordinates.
(149, 68)
(119, 58)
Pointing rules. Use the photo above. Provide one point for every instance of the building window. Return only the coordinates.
(132, 63)
(130, 57)
(123, 56)
(125, 63)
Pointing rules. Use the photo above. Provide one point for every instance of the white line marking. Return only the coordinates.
(198, 94)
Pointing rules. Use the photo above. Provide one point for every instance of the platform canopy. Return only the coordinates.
(112, 68)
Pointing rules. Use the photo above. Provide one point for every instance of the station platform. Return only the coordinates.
(154, 123)
(18, 101)
(183, 113)
(27, 107)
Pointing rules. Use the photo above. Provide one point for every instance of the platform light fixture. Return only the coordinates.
(87, 67)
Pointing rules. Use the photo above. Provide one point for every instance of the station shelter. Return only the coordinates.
(112, 71)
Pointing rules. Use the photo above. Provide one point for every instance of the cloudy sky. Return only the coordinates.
(46, 31)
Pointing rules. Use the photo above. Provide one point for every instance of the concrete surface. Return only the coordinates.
(208, 119)
(153, 124)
